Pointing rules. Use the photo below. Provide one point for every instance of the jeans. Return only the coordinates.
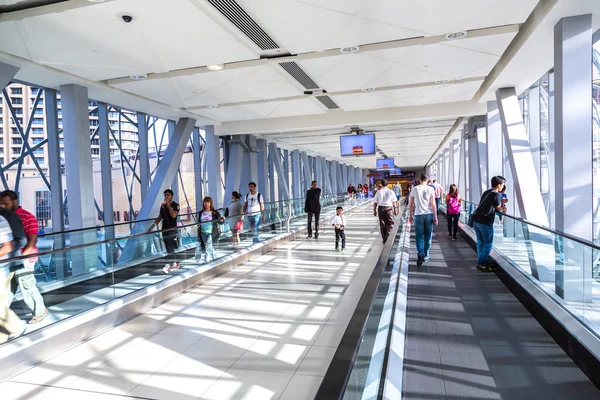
(437, 204)
(485, 241)
(254, 225)
(453, 224)
(423, 233)
(207, 240)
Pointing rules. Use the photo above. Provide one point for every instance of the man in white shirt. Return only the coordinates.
(397, 190)
(385, 204)
(423, 215)
(254, 206)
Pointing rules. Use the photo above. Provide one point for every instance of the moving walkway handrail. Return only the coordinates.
(547, 229)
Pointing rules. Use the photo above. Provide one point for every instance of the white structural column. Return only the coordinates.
(252, 155)
(143, 152)
(481, 133)
(451, 150)
(462, 165)
(474, 177)
(319, 173)
(213, 165)
(494, 164)
(552, 154)
(284, 191)
(263, 169)
(297, 187)
(573, 153)
(175, 183)
(107, 187)
(234, 169)
(272, 176)
(534, 128)
(305, 172)
(80, 177)
(446, 168)
(197, 147)
(334, 177)
(527, 187)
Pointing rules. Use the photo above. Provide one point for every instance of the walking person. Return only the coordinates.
(169, 210)
(254, 206)
(312, 206)
(10, 324)
(483, 221)
(422, 216)
(385, 206)
(339, 224)
(453, 202)
(209, 231)
(25, 278)
(397, 191)
(438, 195)
(235, 214)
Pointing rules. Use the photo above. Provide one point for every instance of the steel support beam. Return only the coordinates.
(197, 147)
(55, 172)
(573, 155)
(297, 187)
(474, 177)
(263, 167)
(142, 126)
(107, 187)
(213, 165)
(272, 186)
(462, 162)
(334, 177)
(234, 169)
(534, 129)
(284, 193)
(552, 153)
(318, 176)
(480, 130)
(175, 183)
(80, 176)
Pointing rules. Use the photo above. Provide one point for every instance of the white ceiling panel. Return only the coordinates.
(296, 107)
(404, 75)
(255, 111)
(368, 101)
(11, 40)
(159, 89)
(494, 45)
(353, 71)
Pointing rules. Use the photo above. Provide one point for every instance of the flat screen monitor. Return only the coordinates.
(385, 164)
(357, 145)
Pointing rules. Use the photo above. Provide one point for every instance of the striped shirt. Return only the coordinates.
(30, 222)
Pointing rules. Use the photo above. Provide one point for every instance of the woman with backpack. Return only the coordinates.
(208, 230)
(453, 210)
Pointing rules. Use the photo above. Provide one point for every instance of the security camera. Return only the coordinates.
(127, 18)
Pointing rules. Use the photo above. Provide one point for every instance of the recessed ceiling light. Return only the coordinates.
(456, 35)
(212, 106)
(216, 67)
(349, 50)
(369, 89)
(141, 77)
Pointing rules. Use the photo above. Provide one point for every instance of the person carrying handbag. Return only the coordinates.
(234, 213)
(208, 230)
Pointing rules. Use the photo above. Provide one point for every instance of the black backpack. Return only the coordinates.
(16, 226)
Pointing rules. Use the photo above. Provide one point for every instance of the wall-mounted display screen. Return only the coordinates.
(385, 164)
(358, 145)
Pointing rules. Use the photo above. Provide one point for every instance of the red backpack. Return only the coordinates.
(453, 204)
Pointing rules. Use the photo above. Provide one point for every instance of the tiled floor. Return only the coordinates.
(468, 337)
(267, 330)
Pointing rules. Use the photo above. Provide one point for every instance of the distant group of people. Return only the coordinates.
(424, 206)
(209, 220)
(18, 237)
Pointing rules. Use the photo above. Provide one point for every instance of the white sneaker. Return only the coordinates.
(167, 269)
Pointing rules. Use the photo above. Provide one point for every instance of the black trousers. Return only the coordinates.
(169, 241)
(386, 221)
(316, 214)
(453, 224)
(340, 234)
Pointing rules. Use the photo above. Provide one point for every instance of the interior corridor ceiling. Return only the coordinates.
(296, 72)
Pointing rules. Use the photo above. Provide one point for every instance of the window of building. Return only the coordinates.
(39, 112)
(39, 152)
(16, 90)
(40, 121)
(1, 132)
(34, 91)
(94, 122)
(95, 152)
(95, 142)
(59, 113)
(1, 120)
(14, 131)
(36, 140)
(17, 140)
(16, 150)
(16, 100)
(37, 131)
(18, 110)
(60, 125)
(43, 207)
(1, 151)
(40, 160)
(19, 120)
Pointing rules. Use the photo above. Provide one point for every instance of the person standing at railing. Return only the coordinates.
(483, 221)
(168, 215)
(423, 216)
(10, 324)
(312, 206)
(453, 210)
(235, 214)
(385, 206)
(25, 278)
(208, 231)
(254, 206)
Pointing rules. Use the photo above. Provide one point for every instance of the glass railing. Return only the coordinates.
(87, 274)
(563, 266)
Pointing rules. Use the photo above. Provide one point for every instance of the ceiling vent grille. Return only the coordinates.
(298, 74)
(327, 102)
(240, 18)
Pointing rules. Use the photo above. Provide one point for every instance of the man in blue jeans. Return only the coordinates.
(483, 221)
(423, 215)
(254, 207)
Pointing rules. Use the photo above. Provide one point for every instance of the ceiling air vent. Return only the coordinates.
(240, 18)
(327, 102)
(298, 74)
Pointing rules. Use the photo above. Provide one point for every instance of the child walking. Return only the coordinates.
(339, 223)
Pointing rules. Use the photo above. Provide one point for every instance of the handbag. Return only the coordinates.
(239, 225)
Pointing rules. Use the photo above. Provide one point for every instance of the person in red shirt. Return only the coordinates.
(25, 277)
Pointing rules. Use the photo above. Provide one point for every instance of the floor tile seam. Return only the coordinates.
(56, 388)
